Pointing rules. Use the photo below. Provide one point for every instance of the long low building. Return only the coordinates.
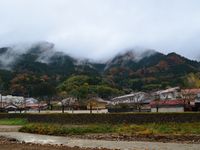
(138, 97)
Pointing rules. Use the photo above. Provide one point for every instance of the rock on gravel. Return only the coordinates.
(13, 144)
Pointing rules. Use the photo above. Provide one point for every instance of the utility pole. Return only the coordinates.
(25, 105)
(1, 103)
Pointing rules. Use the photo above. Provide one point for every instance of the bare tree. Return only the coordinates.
(68, 102)
(187, 96)
(137, 102)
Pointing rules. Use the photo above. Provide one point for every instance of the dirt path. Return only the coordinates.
(84, 143)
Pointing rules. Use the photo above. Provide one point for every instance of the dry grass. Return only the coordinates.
(132, 129)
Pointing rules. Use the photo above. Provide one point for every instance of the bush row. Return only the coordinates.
(136, 118)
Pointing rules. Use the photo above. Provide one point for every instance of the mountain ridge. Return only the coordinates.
(144, 70)
(45, 52)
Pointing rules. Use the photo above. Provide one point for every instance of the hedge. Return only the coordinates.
(136, 118)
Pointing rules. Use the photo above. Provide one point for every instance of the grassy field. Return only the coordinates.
(131, 129)
(13, 121)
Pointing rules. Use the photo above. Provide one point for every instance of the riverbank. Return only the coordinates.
(151, 132)
(187, 139)
(170, 138)
(13, 144)
(60, 143)
(168, 132)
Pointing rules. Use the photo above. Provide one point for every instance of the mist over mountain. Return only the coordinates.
(43, 56)
(46, 53)
(130, 56)
(132, 70)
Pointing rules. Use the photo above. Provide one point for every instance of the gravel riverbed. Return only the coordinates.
(13, 144)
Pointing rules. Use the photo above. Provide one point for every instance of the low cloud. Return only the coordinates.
(44, 51)
(8, 58)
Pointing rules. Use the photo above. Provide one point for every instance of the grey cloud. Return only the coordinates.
(10, 55)
(99, 29)
(8, 58)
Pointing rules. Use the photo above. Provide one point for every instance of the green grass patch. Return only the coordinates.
(161, 128)
(13, 121)
(55, 129)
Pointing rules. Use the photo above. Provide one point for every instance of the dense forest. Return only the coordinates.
(41, 71)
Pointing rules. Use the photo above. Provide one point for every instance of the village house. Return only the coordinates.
(190, 94)
(10, 101)
(168, 100)
(168, 94)
(175, 100)
(34, 104)
(13, 103)
(96, 103)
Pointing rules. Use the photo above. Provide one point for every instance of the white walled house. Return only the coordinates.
(177, 105)
(168, 109)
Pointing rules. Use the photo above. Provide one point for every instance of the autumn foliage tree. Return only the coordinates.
(192, 80)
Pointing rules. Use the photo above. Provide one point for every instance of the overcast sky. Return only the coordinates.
(99, 29)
